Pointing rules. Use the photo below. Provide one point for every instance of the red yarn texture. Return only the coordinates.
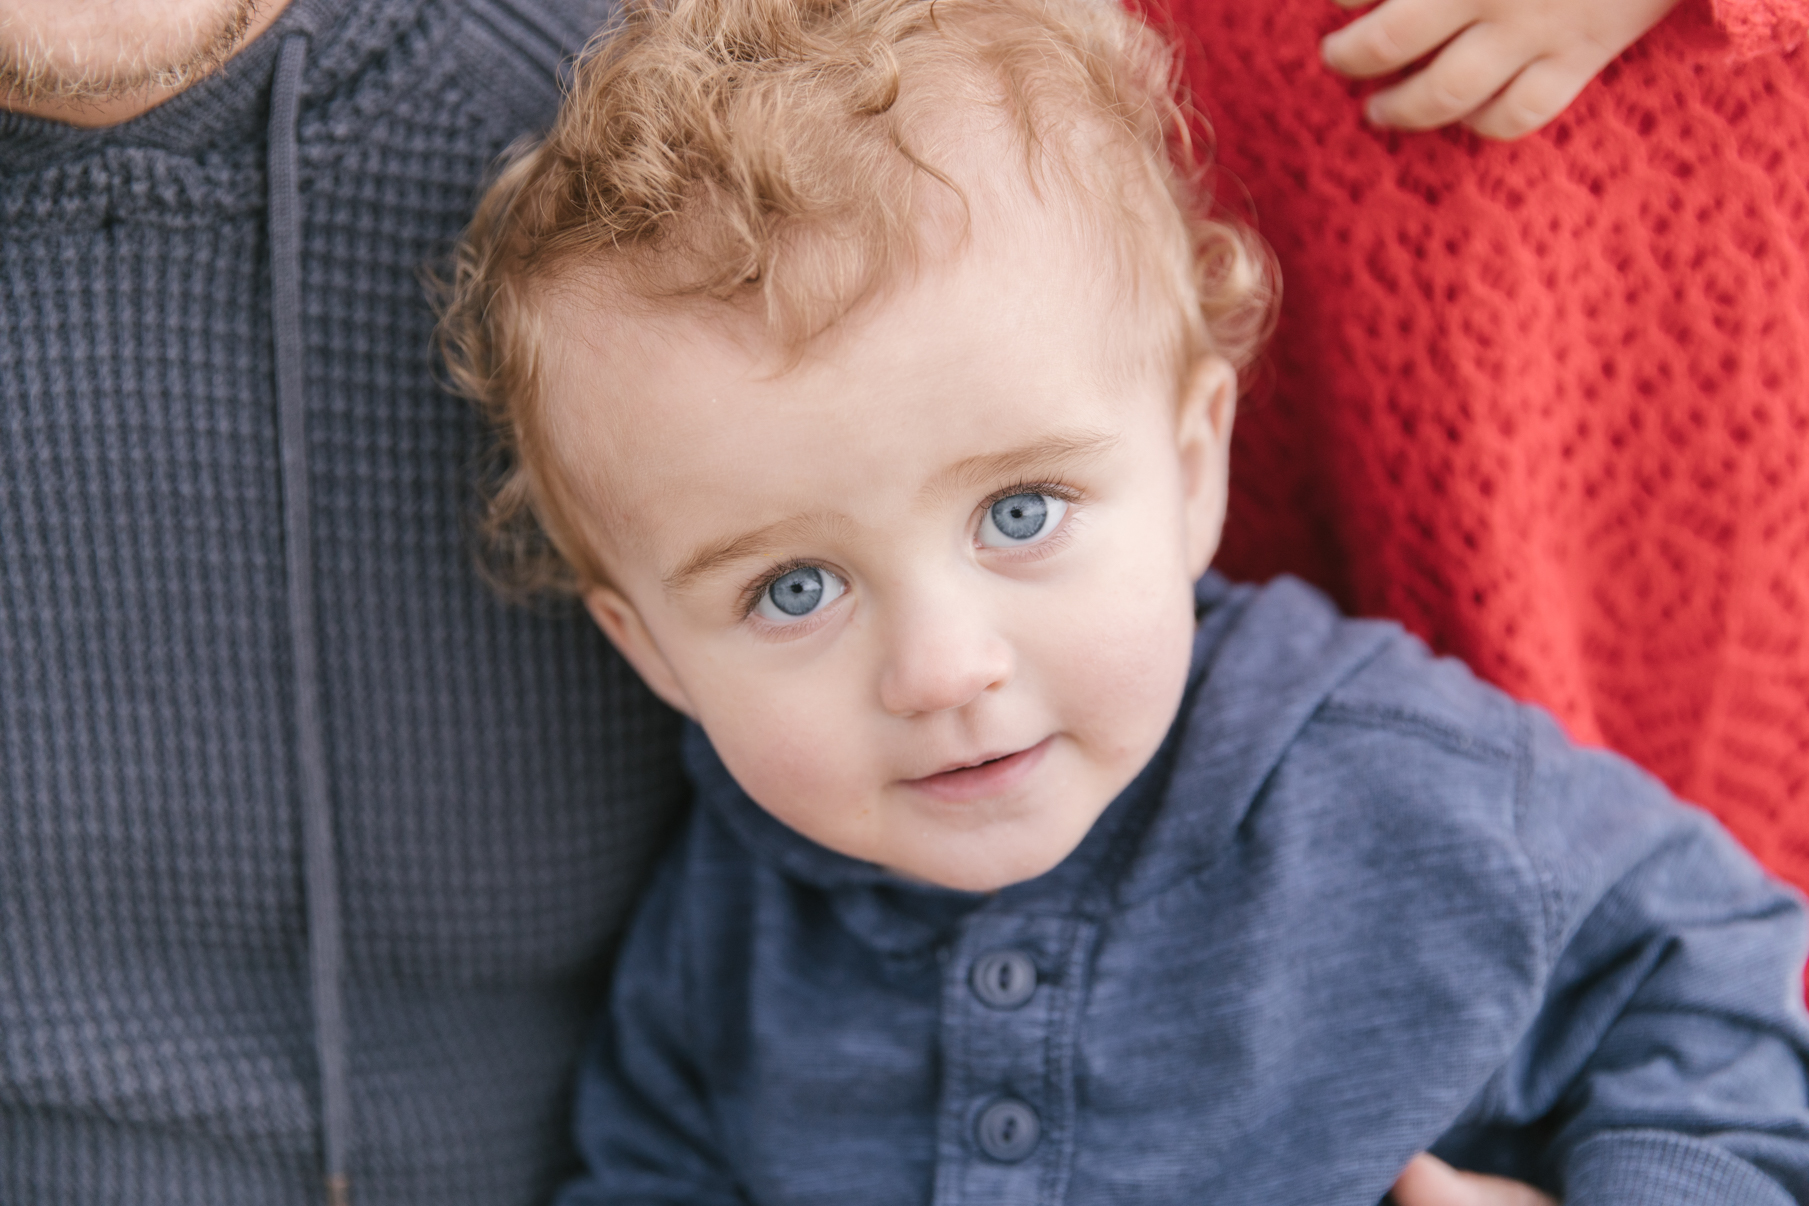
(1755, 27)
(1544, 401)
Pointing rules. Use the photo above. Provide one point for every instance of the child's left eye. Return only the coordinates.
(1021, 519)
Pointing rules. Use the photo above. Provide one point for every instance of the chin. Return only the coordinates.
(990, 875)
(97, 54)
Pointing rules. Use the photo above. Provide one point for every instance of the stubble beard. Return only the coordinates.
(87, 58)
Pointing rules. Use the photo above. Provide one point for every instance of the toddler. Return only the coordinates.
(869, 368)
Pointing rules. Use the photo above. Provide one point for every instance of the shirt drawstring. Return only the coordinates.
(326, 953)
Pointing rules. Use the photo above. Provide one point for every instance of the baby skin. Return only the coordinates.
(928, 591)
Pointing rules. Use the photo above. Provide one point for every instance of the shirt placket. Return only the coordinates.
(1011, 991)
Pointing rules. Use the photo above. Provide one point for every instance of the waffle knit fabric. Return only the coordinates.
(1544, 401)
(496, 778)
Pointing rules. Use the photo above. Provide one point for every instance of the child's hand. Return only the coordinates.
(1429, 1181)
(1506, 68)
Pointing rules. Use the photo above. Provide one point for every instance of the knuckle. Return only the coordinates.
(1516, 123)
(1511, 118)
(1364, 47)
(1492, 126)
(1427, 102)
(1381, 44)
(1549, 92)
(1445, 103)
(1533, 102)
(1524, 121)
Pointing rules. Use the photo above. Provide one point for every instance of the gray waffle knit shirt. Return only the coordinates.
(493, 780)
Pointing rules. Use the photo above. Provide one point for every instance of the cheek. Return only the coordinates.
(808, 777)
(1119, 662)
(777, 761)
(792, 741)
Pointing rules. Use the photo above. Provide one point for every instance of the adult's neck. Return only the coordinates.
(93, 113)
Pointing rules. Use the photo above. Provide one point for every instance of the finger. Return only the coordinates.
(1392, 36)
(1538, 94)
(1353, 3)
(1429, 1181)
(1460, 79)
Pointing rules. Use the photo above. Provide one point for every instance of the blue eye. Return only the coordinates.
(1021, 519)
(798, 593)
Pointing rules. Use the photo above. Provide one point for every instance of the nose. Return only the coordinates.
(941, 656)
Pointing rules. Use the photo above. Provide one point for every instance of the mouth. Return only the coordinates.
(990, 776)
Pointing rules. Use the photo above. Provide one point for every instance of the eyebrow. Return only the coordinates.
(712, 557)
(1053, 455)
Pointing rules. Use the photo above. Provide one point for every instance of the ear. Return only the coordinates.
(622, 624)
(1203, 441)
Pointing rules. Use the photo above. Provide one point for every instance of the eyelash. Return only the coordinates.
(1067, 494)
(750, 598)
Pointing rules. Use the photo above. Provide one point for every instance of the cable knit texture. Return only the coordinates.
(498, 778)
(1544, 401)
(1757, 27)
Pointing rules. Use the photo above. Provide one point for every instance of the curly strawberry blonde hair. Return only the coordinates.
(761, 152)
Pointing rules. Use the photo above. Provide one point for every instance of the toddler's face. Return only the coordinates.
(930, 591)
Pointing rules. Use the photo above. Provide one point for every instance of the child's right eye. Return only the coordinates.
(797, 594)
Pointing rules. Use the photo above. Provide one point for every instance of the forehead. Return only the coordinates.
(665, 420)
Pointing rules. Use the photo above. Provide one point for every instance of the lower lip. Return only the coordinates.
(993, 778)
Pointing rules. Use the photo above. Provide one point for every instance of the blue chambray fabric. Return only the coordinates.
(1359, 905)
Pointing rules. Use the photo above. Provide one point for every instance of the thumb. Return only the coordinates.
(1429, 1181)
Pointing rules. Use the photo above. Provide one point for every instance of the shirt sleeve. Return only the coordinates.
(1667, 1062)
(644, 1128)
(1756, 27)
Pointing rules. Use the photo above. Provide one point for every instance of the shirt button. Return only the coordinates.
(1008, 1130)
(1004, 979)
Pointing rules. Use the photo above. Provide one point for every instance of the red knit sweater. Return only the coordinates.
(1545, 401)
